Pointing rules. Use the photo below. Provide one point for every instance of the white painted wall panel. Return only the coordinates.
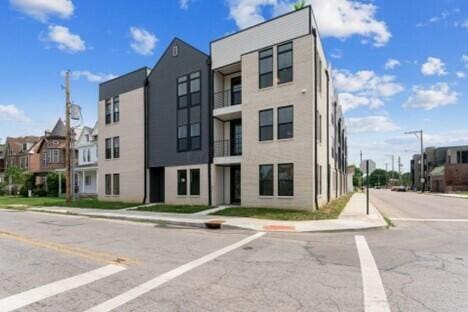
(229, 50)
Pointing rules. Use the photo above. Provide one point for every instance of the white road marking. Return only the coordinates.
(141, 289)
(375, 299)
(40, 293)
(428, 220)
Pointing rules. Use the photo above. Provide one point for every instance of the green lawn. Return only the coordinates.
(6, 201)
(330, 211)
(174, 208)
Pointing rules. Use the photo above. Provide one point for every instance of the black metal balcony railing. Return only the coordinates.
(228, 98)
(225, 148)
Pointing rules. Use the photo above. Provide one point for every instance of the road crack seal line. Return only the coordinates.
(70, 250)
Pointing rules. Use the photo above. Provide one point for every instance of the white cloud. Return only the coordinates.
(442, 16)
(335, 18)
(392, 63)
(436, 95)
(350, 101)
(143, 42)
(12, 113)
(364, 88)
(90, 76)
(184, 4)
(460, 74)
(336, 54)
(65, 40)
(43, 9)
(433, 66)
(370, 124)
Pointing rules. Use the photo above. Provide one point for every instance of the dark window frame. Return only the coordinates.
(108, 111)
(261, 181)
(181, 185)
(260, 74)
(291, 68)
(188, 79)
(108, 148)
(290, 180)
(108, 184)
(116, 149)
(280, 124)
(194, 185)
(260, 126)
(116, 184)
(116, 112)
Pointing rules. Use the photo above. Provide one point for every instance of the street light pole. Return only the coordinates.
(419, 135)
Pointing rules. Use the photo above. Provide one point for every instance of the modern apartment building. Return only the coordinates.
(178, 123)
(278, 131)
(121, 142)
(256, 122)
(445, 169)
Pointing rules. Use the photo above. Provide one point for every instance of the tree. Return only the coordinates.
(406, 179)
(52, 184)
(357, 176)
(299, 5)
(378, 177)
(14, 175)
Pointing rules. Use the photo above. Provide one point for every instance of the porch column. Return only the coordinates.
(82, 181)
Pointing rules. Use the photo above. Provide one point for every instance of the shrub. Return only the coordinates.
(40, 192)
(52, 184)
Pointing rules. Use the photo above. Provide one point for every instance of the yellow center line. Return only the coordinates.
(71, 250)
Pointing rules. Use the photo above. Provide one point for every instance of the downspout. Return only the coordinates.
(210, 129)
(314, 33)
(328, 136)
(145, 100)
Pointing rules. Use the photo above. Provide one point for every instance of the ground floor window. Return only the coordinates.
(285, 179)
(181, 182)
(266, 180)
(116, 184)
(108, 181)
(194, 181)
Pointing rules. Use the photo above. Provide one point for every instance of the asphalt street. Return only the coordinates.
(54, 262)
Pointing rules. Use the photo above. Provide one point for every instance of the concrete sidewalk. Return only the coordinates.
(353, 218)
(449, 195)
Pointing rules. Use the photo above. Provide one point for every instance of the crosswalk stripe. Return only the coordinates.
(40, 293)
(375, 299)
(141, 289)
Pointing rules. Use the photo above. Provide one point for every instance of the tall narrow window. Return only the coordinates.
(194, 181)
(116, 184)
(319, 75)
(285, 180)
(181, 182)
(319, 177)
(116, 101)
(108, 148)
(108, 111)
(285, 122)
(108, 185)
(266, 180)
(182, 140)
(265, 59)
(266, 125)
(182, 90)
(195, 138)
(319, 127)
(116, 147)
(285, 62)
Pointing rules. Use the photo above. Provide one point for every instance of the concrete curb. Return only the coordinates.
(225, 223)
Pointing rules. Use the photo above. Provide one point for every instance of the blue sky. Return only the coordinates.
(398, 65)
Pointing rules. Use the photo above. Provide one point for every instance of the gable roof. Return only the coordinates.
(176, 40)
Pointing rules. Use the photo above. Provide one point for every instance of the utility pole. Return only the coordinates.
(362, 173)
(419, 135)
(399, 169)
(393, 164)
(68, 173)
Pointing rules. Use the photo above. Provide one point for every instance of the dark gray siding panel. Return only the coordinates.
(162, 107)
(123, 84)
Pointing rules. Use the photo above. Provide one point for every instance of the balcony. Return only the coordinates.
(227, 152)
(228, 104)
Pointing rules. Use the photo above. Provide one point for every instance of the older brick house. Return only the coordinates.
(17, 151)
